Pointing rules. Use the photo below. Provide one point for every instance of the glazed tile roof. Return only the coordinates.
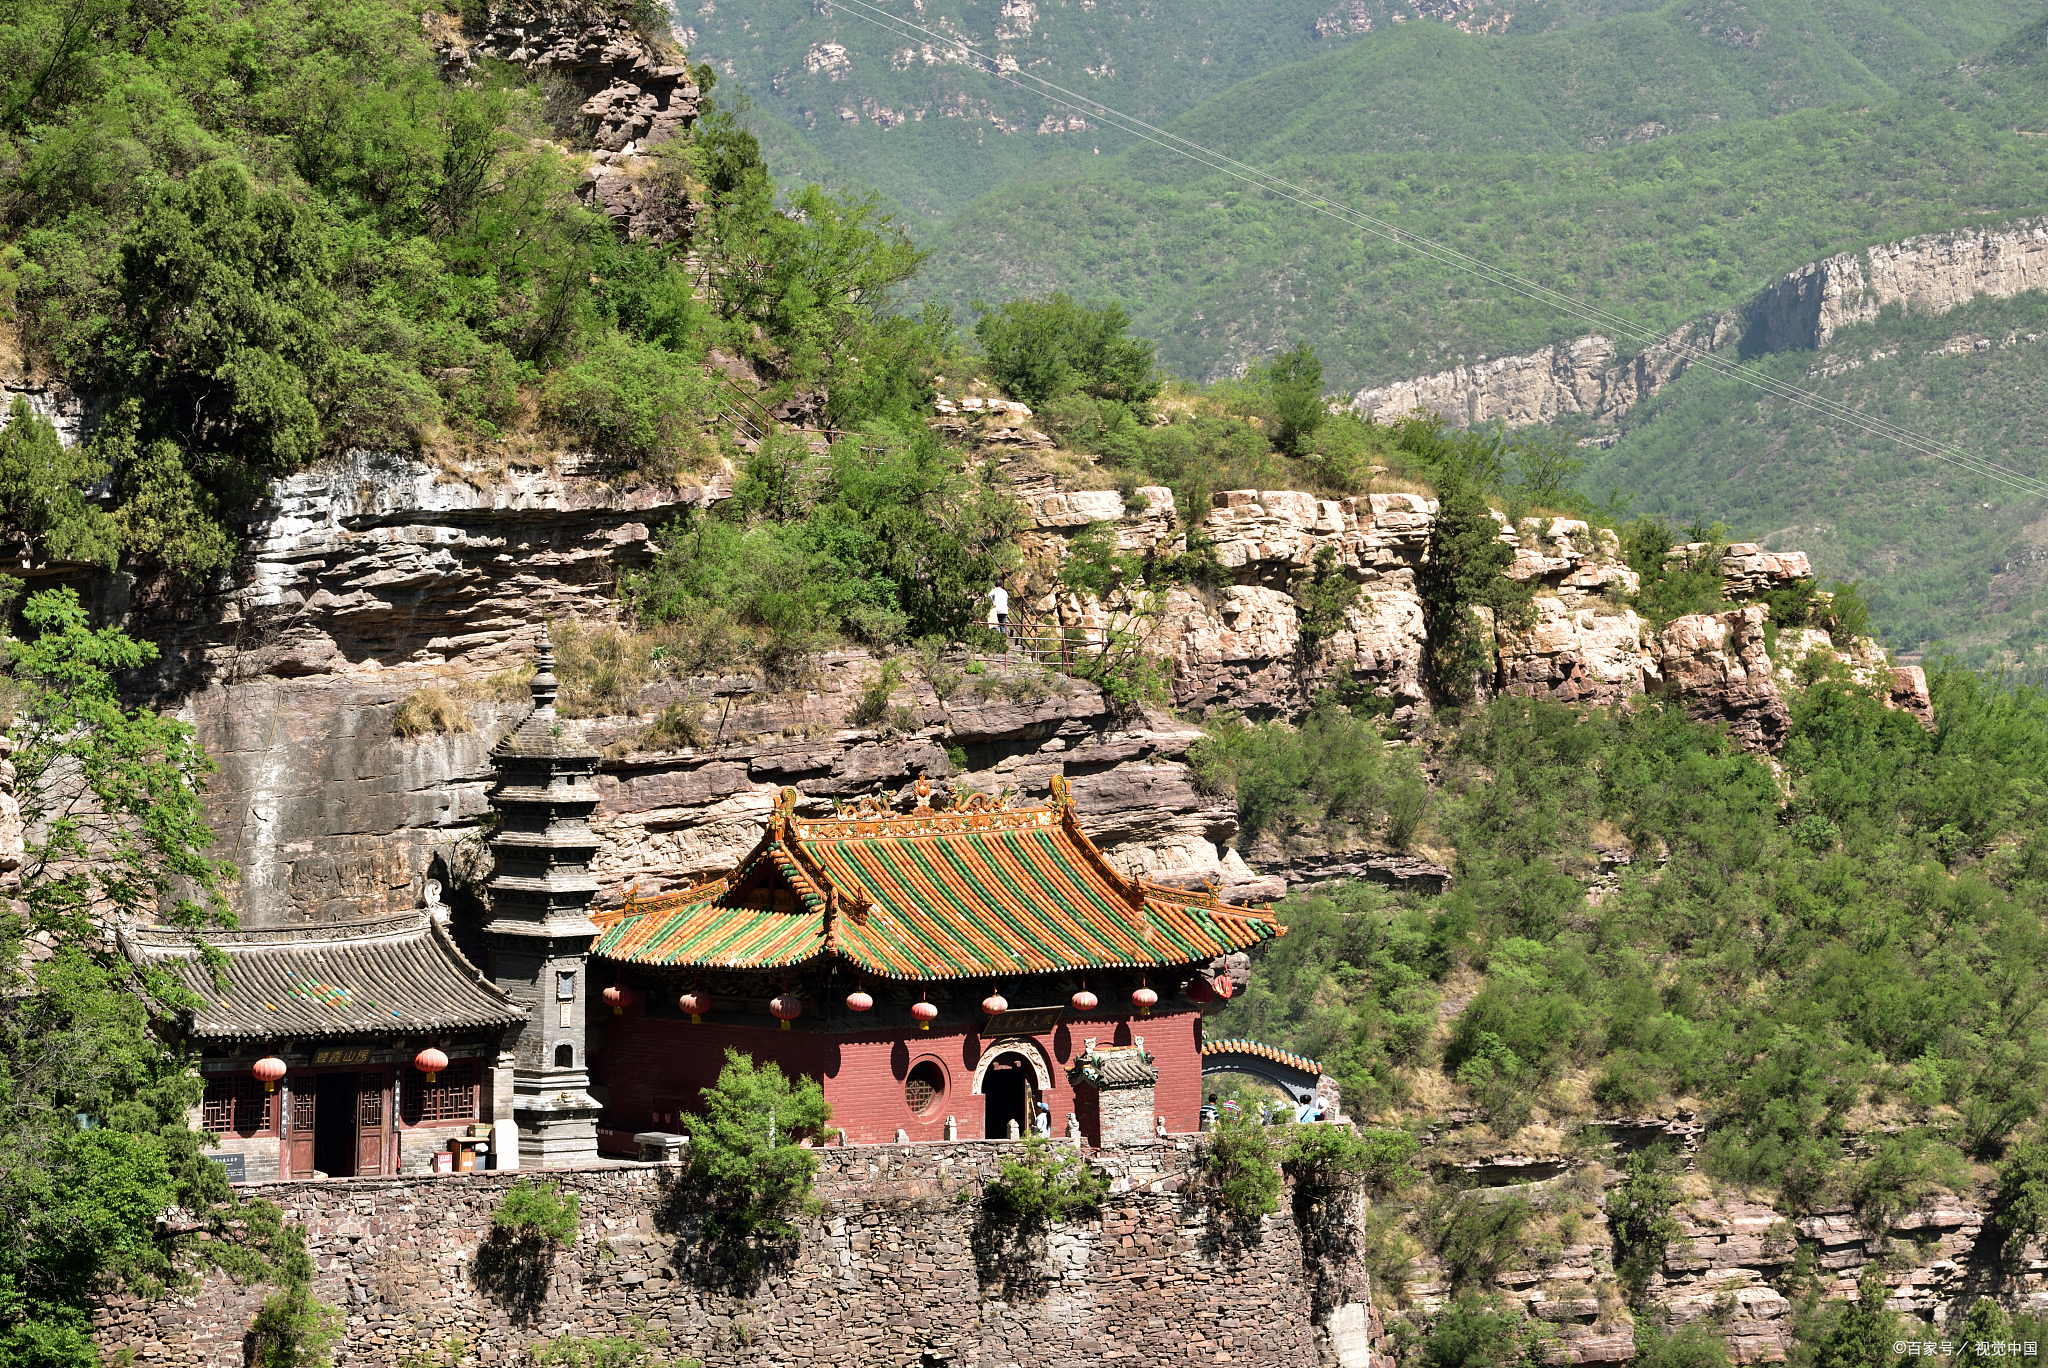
(1260, 1050)
(932, 895)
(399, 975)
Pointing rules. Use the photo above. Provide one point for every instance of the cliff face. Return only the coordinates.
(1587, 375)
(374, 576)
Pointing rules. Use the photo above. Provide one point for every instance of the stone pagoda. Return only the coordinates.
(540, 932)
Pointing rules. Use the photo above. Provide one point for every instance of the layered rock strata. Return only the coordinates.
(1591, 376)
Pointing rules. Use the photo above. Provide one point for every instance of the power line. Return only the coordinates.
(866, 11)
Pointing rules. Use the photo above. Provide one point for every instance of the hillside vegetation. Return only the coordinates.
(1658, 231)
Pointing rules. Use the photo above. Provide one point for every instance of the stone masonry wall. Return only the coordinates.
(891, 1273)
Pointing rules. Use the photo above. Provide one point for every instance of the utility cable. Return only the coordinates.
(1627, 331)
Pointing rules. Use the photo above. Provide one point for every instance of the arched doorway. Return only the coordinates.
(1011, 1078)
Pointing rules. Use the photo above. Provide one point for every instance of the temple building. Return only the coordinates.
(942, 973)
(958, 972)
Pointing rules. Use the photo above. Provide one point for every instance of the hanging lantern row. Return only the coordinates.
(787, 1007)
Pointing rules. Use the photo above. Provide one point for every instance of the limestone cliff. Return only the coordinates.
(1591, 376)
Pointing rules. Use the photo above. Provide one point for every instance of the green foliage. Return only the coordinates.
(1987, 1325)
(1045, 1183)
(112, 800)
(1479, 1331)
(1294, 379)
(1639, 1216)
(44, 511)
(643, 1346)
(1041, 349)
(1463, 574)
(1477, 1234)
(1692, 1345)
(531, 1210)
(1677, 585)
(747, 1152)
(1324, 1158)
(1332, 773)
(1240, 1171)
(166, 515)
(1093, 565)
(2022, 1213)
(1858, 1334)
(1325, 594)
(873, 709)
(293, 1329)
(878, 542)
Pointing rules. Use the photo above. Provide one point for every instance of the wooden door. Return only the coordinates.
(371, 1125)
(298, 1130)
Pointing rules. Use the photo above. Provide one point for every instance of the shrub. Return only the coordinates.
(641, 1346)
(602, 668)
(675, 727)
(1294, 380)
(1325, 595)
(873, 708)
(1479, 1332)
(637, 405)
(44, 510)
(1477, 1236)
(431, 710)
(1464, 572)
(537, 1211)
(2022, 1213)
(293, 1329)
(1240, 1170)
(1858, 1334)
(1322, 1158)
(1335, 771)
(1047, 1182)
(1038, 349)
(1693, 1345)
(1675, 586)
(746, 1151)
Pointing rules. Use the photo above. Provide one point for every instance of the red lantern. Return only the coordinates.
(1085, 1001)
(620, 997)
(859, 1000)
(924, 1012)
(785, 1008)
(270, 1068)
(995, 1004)
(696, 1002)
(1223, 986)
(1145, 998)
(1201, 990)
(430, 1061)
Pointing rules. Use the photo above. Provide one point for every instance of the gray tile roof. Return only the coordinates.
(397, 975)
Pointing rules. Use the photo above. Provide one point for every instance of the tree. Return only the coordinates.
(1294, 379)
(112, 800)
(1038, 349)
(746, 1149)
(1862, 1335)
(1479, 1332)
(1639, 1214)
(1463, 572)
(44, 511)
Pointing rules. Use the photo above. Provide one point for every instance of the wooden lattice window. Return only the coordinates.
(925, 1086)
(370, 1101)
(238, 1106)
(302, 1109)
(450, 1097)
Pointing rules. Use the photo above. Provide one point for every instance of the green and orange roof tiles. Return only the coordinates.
(931, 895)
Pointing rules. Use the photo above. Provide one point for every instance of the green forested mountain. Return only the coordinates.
(1656, 230)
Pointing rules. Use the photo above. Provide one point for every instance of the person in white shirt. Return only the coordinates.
(1000, 597)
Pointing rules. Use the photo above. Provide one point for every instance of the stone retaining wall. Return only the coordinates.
(892, 1272)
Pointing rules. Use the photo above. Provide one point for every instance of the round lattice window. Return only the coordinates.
(925, 1086)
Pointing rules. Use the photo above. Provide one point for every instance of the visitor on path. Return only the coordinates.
(1209, 1113)
(999, 597)
(1231, 1109)
(1043, 1122)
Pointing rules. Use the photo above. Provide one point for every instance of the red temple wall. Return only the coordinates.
(646, 1061)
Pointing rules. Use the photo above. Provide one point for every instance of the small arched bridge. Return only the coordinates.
(1299, 1077)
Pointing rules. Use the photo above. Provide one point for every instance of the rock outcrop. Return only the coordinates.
(1591, 376)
